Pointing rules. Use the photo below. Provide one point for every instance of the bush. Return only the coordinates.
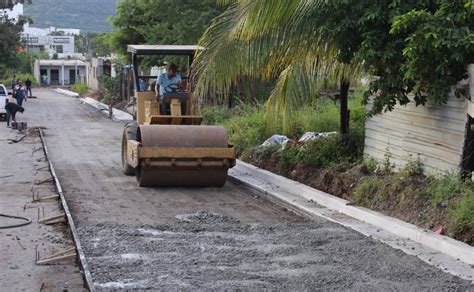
(247, 131)
(7, 79)
(462, 215)
(248, 126)
(80, 88)
(364, 191)
(215, 115)
(444, 188)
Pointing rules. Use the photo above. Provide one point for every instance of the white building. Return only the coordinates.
(36, 31)
(36, 39)
(60, 72)
(63, 46)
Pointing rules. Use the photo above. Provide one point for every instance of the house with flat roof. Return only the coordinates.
(60, 72)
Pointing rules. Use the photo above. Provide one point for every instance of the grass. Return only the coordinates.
(80, 88)
(248, 126)
(448, 196)
(370, 190)
(7, 79)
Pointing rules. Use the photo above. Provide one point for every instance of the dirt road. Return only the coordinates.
(203, 238)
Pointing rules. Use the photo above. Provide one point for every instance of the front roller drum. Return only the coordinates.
(155, 175)
(208, 172)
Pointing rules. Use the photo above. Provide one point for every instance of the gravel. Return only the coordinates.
(211, 251)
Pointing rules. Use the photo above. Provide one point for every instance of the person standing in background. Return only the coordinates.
(20, 94)
(28, 87)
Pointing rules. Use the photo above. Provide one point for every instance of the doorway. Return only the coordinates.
(44, 76)
(54, 77)
(72, 76)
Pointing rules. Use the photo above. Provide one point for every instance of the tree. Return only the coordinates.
(273, 40)
(10, 31)
(8, 4)
(97, 42)
(161, 22)
(310, 44)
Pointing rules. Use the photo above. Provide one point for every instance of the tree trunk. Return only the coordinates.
(343, 99)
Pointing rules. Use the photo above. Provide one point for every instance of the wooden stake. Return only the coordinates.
(55, 218)
(70, 253)
(46, 198)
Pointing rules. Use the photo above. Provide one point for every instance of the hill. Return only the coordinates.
(87, 15)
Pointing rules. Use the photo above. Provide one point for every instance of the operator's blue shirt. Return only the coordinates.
(164, 81)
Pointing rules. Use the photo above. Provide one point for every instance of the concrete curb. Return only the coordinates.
(117, 115)
(67, 92)
(276, 185)
(86, 274)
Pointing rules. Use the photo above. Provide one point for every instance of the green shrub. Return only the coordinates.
(247, 131)
(444, 188)
(214, 115)
(80, 88)
(368, 187)
(413, 167)
(462, 213)
(370, 163)
(7, 79)
(248, 127)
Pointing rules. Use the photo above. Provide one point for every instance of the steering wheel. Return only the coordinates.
(172, 88)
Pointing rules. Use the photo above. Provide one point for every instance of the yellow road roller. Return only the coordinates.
(172, 148)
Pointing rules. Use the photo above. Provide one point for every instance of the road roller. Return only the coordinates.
(172, 149)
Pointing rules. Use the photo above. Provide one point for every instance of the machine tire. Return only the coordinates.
(129, 133)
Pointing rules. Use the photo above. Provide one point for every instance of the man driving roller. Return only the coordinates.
(167, 83)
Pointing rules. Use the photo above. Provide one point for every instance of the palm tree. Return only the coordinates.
(267, 39)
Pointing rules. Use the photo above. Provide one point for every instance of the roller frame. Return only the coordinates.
(198, 157)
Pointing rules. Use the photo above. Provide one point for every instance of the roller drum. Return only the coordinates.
(163, 172)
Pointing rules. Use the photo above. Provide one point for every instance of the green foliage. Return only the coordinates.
(80, 88)
(8, 4)
(462, 214)
(99, 43)
(10, 40)
(249, 130)
(87, 15)
(413, 167)
(215, 115)
(439, 44)
(414, 46)
(112, 85)
(447, 196)
(161, 22)
(370, 190)
(7, 78)
(248, 127)
(445, 188)
(370, 163)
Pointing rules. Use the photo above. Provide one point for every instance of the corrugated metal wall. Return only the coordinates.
(434, 133)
